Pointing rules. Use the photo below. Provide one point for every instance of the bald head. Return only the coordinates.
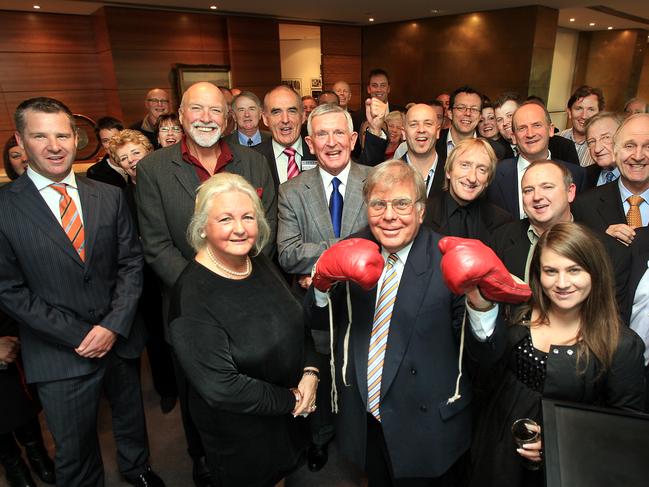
(156, 103)
(344, 92)
(422, 130)
(202, 113)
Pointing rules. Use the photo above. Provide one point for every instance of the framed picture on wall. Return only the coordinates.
(316, 84)
(295, 83)
(188, 74)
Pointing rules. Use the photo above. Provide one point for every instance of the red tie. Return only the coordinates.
(292, 164)
(71, 220)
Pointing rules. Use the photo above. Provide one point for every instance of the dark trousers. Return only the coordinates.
(378, 466)
(194, 444)
(27, 433)
(71, 407)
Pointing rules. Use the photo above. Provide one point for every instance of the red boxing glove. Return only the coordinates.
(353, 259)
(468, 263)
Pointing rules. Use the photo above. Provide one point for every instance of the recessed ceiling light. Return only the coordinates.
(434, 11)
(213, 7)
(610, 27)
(592, 24)
(572, 19)
(37, 7)
(371, 19)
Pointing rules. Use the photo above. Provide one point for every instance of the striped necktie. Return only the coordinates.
(71, 220)
(292, 163)
(379, 337)
(633, 216)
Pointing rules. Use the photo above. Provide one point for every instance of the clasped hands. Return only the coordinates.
(97, 342)
(9, 349)
(305, 395)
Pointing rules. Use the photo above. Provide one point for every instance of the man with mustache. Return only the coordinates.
(165, 194)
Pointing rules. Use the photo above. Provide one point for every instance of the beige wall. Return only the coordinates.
(300, 58)
(563, 67)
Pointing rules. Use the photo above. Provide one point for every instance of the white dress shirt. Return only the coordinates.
(281, 159)
(328, 178)
(51, 196)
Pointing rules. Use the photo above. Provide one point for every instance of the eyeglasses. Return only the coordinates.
(171, 128)
(401, 206)
(604, 139)
(157, 100)
(464, 108)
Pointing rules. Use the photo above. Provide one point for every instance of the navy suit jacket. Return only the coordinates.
(600, 207)
(55, 296)
(424, 434)
(503, 190)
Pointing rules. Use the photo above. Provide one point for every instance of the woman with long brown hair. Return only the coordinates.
(567, 343)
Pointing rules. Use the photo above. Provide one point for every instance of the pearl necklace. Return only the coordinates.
(225, 269)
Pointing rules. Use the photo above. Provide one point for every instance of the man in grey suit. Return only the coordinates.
(316, 209)
(246, 107)
(167, 181)
(71, 275)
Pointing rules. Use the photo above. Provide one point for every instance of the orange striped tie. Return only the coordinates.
(71, 220)
(379, 337)
(633, 216)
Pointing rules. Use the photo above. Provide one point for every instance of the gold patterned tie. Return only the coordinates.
(633, 216)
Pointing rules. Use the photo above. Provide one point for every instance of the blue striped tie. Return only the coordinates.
(379, 338)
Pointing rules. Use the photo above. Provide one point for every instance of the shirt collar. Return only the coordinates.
(625, 193)
(401, 254)
(41, 182)
(278, 149)
(342, 177)
(524, 163)
(243, 138)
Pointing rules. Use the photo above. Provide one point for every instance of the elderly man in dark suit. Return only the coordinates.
(460, 210)
(405, 419)
(316, 209)
(71, 274)
(619, 207)
(246, 107)
(600, 130)
(167, 181)
(286, 151)
(532, 130)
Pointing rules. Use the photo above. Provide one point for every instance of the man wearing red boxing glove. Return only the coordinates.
(404, 406)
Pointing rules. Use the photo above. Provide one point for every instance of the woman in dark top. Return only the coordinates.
(14, 159)
(240, 338)
(19, 410)
(568, 343)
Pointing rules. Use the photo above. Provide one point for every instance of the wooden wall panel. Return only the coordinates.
(341, 59)
(491, 51)
(643, 83)
(254, 53)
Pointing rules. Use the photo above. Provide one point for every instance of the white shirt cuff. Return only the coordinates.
(483, 323)
(320, 298)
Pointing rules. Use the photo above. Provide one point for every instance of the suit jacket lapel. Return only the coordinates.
(316, 203)
(32, 206)
(185, 174)
(412, 290)
(90, 203)
(353, 203)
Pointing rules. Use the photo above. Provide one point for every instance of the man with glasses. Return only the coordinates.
(465, 107)
(619, 207)
(404, 414)
(157, 102)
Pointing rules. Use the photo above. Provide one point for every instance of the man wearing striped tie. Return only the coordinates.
(71, 275)
(621, 206)
(404, 404)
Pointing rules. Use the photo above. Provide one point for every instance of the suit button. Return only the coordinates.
(87, 279)
(413, 371)
(423, 409)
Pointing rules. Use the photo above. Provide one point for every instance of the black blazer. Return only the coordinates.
(592, 175)
(55, 296)
(104, 173)
(600, 207)
(266, 149)
(442, 150)
(490, 216)
(503, 190)
(424, 434)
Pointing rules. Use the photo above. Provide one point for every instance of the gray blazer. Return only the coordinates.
(305, 230)
(55, 296)
(165, 195)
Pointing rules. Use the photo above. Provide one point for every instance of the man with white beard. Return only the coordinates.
(167, 181)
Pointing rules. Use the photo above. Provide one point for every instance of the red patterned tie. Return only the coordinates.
(292, 164)
(71, 220)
